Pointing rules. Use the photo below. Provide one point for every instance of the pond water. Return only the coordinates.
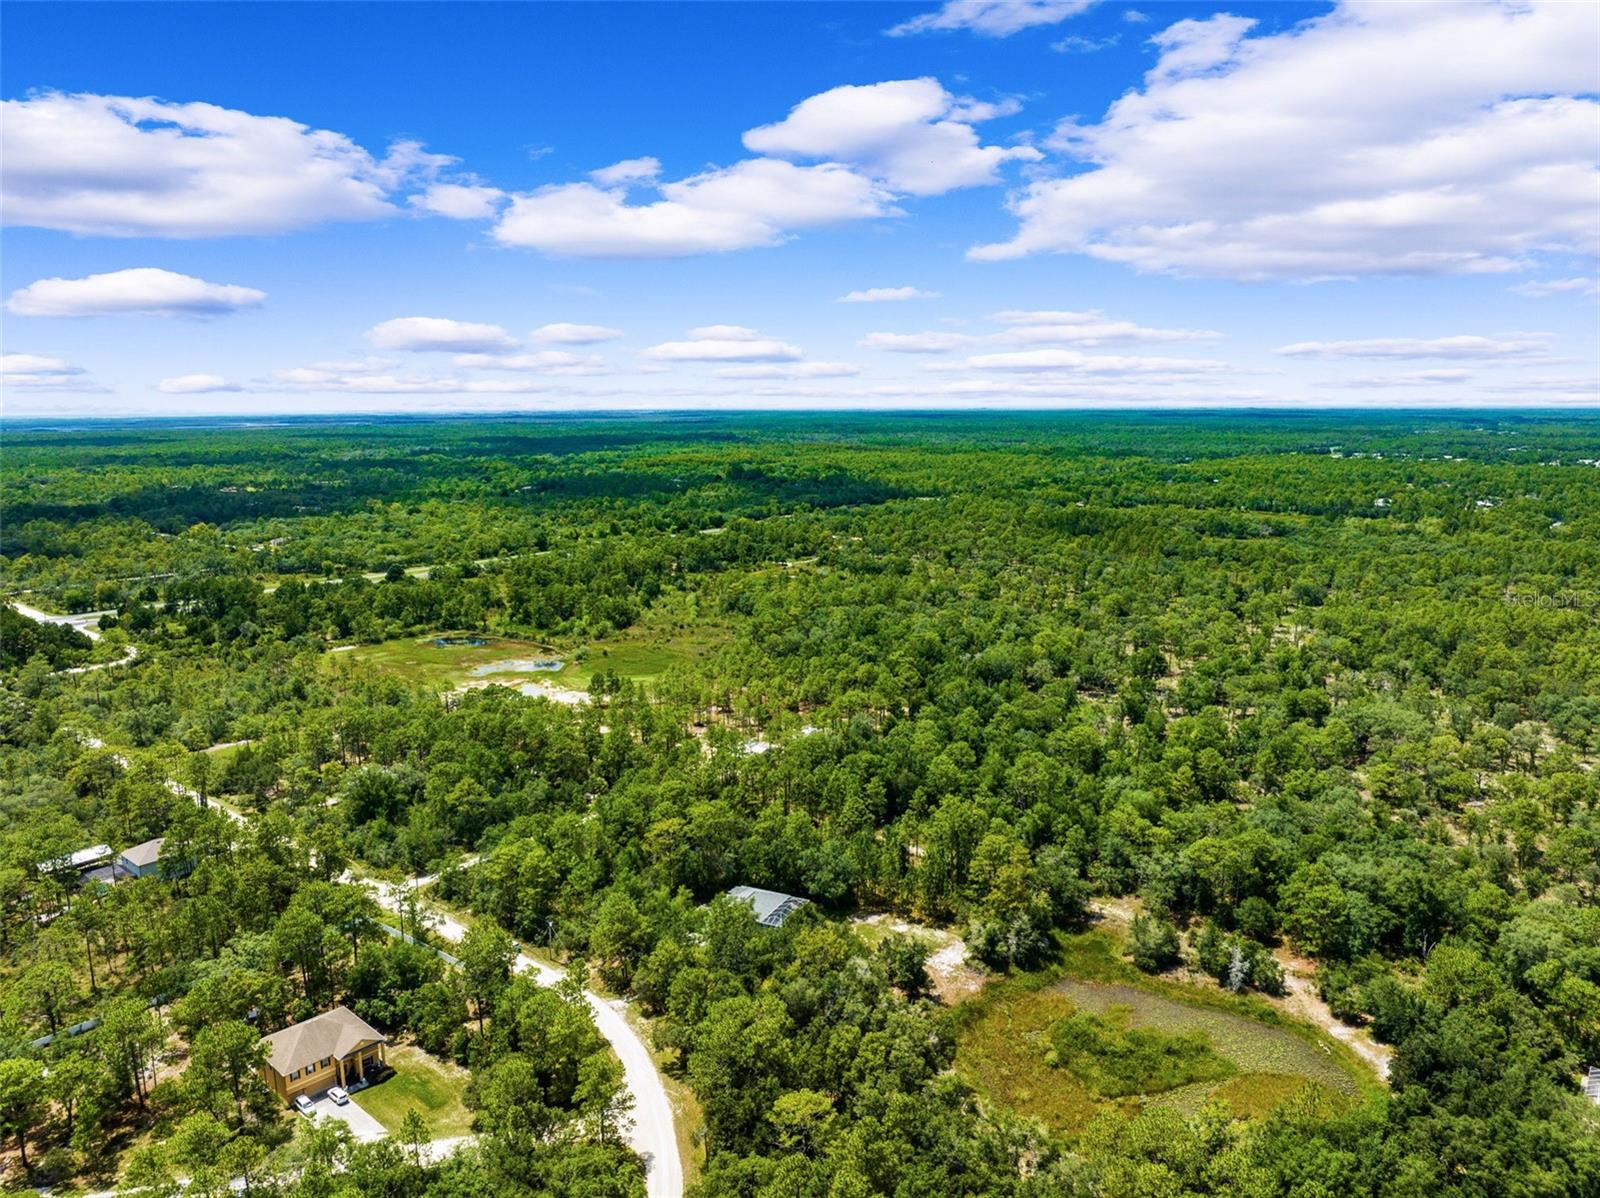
(518, 665)
(459, 642)
(1255, 1047)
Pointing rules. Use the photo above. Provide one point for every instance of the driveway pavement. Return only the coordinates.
(653, 1134)
(362, 1125)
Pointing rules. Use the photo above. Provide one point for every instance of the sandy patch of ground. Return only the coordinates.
(1302, 1000)
(536, 690)
(1117, 912)
(954, 977)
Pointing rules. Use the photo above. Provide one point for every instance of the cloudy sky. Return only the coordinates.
(1029, 203)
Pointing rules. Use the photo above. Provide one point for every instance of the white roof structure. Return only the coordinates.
(770, 906)
(78, 860)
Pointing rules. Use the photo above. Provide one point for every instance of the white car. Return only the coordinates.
(304, 1105)
(339, 1095)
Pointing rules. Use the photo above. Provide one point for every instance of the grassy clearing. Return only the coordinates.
(425, 662)
(1253, 1046)
(1004, 1036)
(640, 654)
(1113, 1058)
(1007, 1033)
(421, 1083)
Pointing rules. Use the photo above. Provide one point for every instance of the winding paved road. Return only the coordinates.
(87, 623)
(654, 1134)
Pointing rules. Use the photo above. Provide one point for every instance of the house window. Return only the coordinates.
(311, 1068)
(295, 1076)
(326, 1061)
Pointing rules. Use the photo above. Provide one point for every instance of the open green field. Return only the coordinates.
(421, 1083)
(640, 655)
(1005, 1041)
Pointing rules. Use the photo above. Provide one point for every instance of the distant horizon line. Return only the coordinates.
(1544, 411)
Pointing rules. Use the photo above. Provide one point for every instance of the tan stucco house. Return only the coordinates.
(335, 1048)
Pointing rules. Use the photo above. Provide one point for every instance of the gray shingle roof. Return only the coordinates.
(333, 1033)
(148, 853)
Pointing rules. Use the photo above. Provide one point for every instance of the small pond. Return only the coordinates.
(459, 642)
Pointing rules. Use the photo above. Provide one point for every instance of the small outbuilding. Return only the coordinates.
(771, 907)
(142, 860)
(335, 1048)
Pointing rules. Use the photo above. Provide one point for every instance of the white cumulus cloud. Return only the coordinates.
(1464, 347)
(911, 134)
(885, 295)
(868, 146)
(757, 202)
(459, 201)
(991, 18)
(42, 372)
(915, 343)
(1377, 139)
(144, 291)
(123, 166)
(629, 170)
(724, 343)
(196, 384)
(437, 333)
(563, 333)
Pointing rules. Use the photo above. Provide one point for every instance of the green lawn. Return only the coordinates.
(640, 654)
(425, 1084)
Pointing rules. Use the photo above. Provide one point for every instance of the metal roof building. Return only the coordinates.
(82, 859)
(771, 908)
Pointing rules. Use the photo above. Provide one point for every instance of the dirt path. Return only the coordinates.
(1302, 1001)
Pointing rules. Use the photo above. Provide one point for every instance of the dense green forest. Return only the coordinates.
(1248, 699)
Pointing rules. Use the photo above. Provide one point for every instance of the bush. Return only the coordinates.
(1237, 962)
(1153, 943)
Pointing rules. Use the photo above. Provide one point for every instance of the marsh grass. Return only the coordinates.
(1114, 1059)
(1005, 1033)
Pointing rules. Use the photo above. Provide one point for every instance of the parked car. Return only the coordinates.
(339, 1095)
(304, 1105)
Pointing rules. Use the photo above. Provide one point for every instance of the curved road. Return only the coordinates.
(654, 1133)
(87, 623)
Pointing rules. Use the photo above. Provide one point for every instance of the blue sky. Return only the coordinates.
(416, 207)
